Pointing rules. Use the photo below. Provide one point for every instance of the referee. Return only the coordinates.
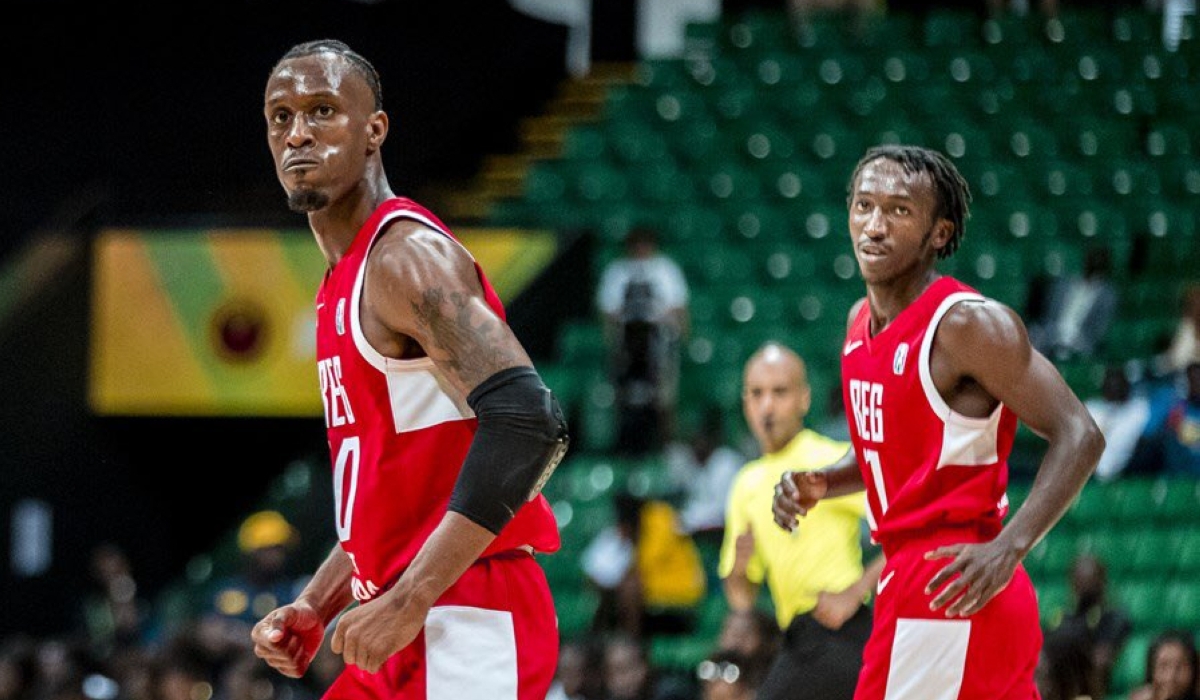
(815, 575)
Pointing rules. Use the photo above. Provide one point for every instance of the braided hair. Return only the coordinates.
(953, 193)
(361, 65)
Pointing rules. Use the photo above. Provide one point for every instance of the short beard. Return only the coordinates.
(305, 201)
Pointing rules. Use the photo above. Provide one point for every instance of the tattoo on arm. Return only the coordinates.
(472, 348)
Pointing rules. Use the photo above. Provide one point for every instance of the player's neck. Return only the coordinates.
(889, 299)
(337, 225)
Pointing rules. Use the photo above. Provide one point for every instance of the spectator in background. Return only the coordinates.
(1185, 343)
(1064, 670)
(1078, 310)
(1096, 625)
(648, 571)
(628, 674)
(1180, 433)
(752, 633)
(729, 675)
(115, 617)
(702, 471)
(18, 667)
(643, 299)
(1171, 669)
(578, 676)
(264, 579)
(1122, 416)
(815, 576)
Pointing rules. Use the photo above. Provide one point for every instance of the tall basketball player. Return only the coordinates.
(935, 377)
(441, 431)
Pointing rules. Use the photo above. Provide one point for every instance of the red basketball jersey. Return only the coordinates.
(398, 432)
(925, 466)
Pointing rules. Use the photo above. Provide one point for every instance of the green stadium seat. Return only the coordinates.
(951, 28)
(1143, 600)
(1181, 178)
(1053, 600)
(691, 225)
(584, 143)
(544, 182)
(1053, 257)
(581, 343)
(597, 182)
(727, 181)
(1168, 140)
(1052, 557)
(1186, 547)
(1137, 499)
(1180, 503)
(1135, 27)
(1182, 605)
(793, 180)
(576, 607)
(1130, 668)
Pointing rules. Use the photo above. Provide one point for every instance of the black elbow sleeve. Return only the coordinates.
(520, 438)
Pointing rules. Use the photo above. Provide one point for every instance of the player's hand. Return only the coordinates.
(288, 638)
(975, 575)
(834, 609)
(369, 634)
(795, 495)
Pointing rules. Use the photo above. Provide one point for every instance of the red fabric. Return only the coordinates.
(893, 424)
(396, 474)
(514, 583)
(1005, 637)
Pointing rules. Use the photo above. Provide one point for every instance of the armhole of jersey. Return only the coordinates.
(369, 353)
(936, 402)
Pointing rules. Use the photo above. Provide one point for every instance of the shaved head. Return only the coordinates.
(775, 395)
(777, 354)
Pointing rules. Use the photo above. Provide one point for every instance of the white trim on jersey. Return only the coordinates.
(417, 391)
(928, 660)
(966, 441)
(470, 654)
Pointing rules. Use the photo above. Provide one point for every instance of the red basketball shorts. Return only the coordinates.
(492, 636)
(915, 653)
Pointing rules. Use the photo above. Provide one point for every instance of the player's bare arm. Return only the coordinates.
(798, 492)
(982, 357)
(422, 296)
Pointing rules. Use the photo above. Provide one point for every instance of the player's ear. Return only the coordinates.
(943, 230)
(377, 129)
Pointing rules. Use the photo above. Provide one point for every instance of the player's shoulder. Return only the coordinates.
(411, 247)
(980, 314)
(981, 330)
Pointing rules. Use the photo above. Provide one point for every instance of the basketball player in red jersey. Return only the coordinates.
(935, 377)
(440, 430)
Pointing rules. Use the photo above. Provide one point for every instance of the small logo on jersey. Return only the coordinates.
(339, 319)
(883, 582)
(851, 347)
(899, 359)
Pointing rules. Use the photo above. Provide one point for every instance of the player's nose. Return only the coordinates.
(876, 224)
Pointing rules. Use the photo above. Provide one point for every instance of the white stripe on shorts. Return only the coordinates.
(470, 654)
(928, 659)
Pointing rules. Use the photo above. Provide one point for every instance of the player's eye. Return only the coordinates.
(280, 117)
(903, 211)
(324, 111)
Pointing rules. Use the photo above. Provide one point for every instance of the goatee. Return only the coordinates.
(304, 201)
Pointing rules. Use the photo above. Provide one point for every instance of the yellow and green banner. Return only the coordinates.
(219, 322)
